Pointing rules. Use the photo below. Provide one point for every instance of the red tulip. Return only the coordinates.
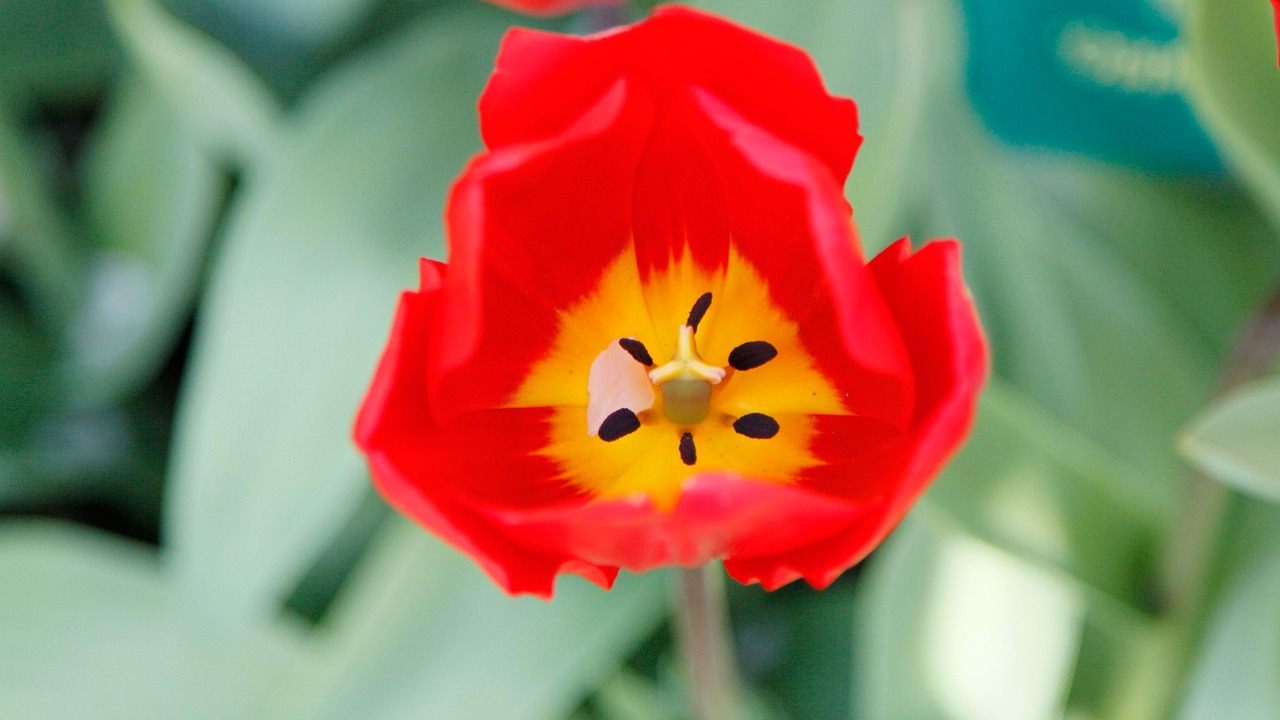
(551, 7)
(656, 341)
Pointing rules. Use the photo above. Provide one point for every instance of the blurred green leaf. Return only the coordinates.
(54, 48)
(90, 631)
(890, 635)
(1030, 483)
(627, 696)
(1234, 86)
(1072, 324)
(264, 471)
(1238, 674)
(1201, 248)
(794, 647)
(25, 383)
(1237, 439)
(42, 244)
(151, 198)
(420, 632)
(287, 42)
(951, 628)
(212, 90)
(295, 24)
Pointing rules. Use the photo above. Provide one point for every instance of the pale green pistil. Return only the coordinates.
(686, 381)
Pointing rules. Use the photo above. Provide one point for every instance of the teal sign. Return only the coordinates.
(1104, 78)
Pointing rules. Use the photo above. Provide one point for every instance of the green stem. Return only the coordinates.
(702, 624)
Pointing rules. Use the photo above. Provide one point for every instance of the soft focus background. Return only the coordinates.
(208, 208)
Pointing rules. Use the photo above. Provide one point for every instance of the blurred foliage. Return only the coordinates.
(208, 207)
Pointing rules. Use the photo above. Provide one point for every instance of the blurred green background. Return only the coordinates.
(208, 208)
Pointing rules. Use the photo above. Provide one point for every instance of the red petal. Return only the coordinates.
(862, 459)
(384, 408)
(928, 298)
(1275, 7)
(528, 237)
(679, 199)
(718, 515)
(544, 81)
(789, 218)
(416, 464)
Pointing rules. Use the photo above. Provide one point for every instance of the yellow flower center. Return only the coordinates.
(744, 404)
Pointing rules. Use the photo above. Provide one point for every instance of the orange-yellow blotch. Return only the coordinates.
(700, 396)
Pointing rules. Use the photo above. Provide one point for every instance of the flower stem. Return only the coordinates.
(702, 625)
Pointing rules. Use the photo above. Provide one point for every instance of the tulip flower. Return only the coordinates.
(656, 341)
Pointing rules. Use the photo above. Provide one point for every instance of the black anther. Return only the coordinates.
(698, 310)
(688, 453)
(752, 354)
(637, 350)
(756, 425)
(620, 423)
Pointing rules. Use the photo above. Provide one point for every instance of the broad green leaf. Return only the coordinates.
(298, 307)
(1238, 673)
(420, 632)
(1234, 86)
(1237, 439)
(151, 198)
(952, 628)
(1032, 484)
(214, 92)
(90, 631)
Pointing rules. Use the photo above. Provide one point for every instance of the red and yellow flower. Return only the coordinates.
(656, 341)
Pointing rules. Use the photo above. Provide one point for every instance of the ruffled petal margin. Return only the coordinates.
(397, 433)
(926, 293)
(543, 80)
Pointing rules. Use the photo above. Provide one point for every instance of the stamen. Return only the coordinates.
(620, 423)
(699, 309)
(637, 350)
(752, 354)
(688, 453)
(756, 425)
